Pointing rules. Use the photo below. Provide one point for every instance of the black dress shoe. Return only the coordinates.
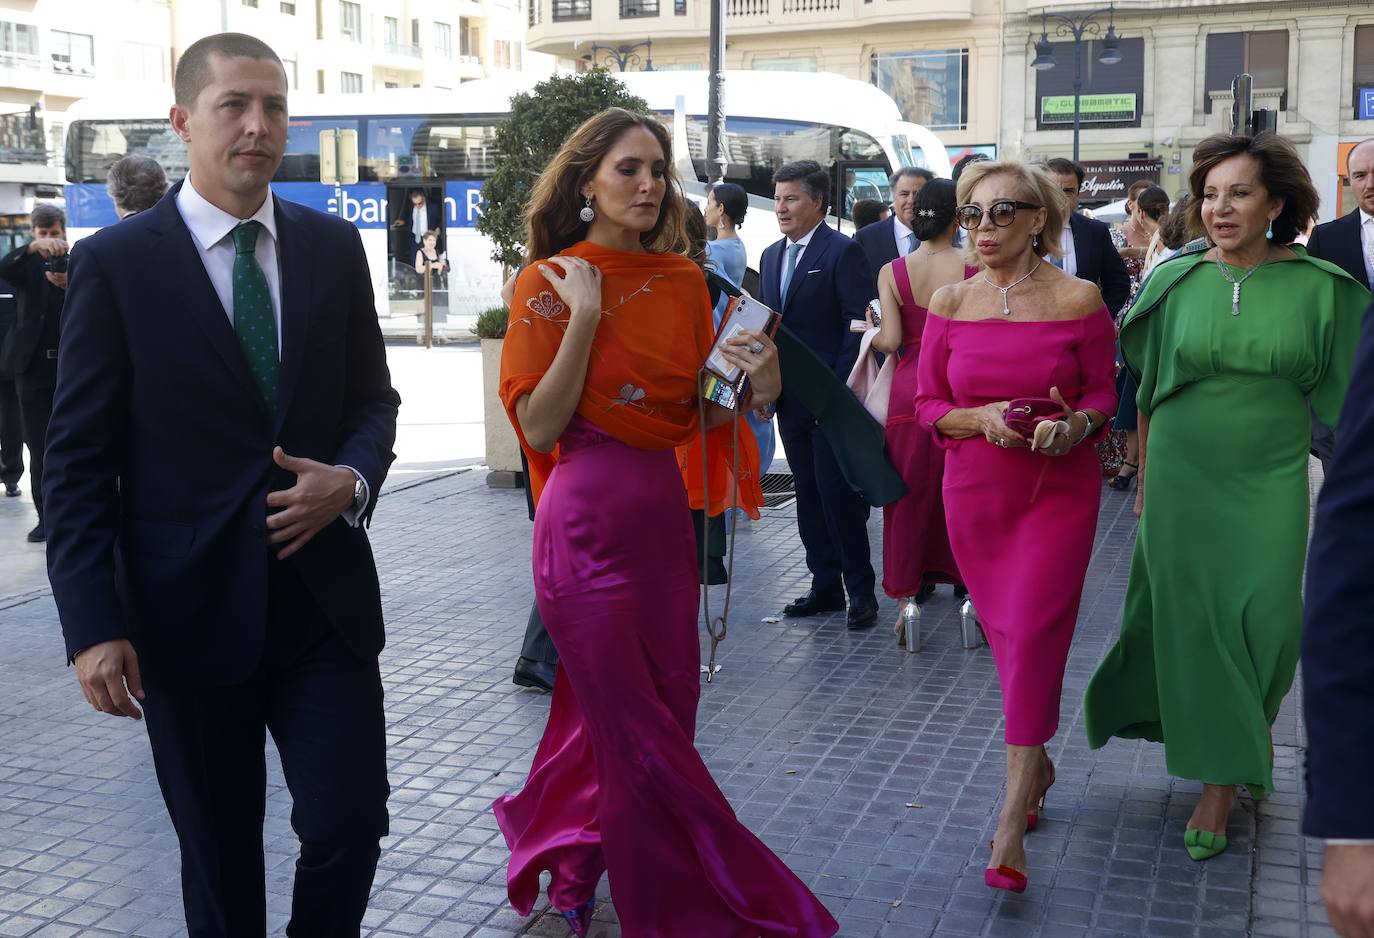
(926, 591)
(12, 490)
(36, 536)
(961, 592)
(813, 604)
(862, 615)
(538, 674)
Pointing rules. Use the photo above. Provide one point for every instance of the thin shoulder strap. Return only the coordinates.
(902, 278)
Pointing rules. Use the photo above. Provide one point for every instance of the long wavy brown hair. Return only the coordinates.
(552, 223)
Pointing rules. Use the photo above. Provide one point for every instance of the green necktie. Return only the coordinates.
(253, 320)
(792, 251)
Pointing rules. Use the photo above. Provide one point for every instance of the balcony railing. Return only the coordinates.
(565, 10)
(408, 49)
(746, 8)
(630, 9)
(536, 12)
(809, 6)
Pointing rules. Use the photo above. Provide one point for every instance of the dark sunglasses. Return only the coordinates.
(1002, 214)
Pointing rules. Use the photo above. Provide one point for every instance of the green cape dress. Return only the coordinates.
(1213, 613)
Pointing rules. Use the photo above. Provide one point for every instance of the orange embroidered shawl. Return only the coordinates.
(642, 384)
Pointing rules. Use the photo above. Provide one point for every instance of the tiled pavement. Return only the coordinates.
(872, 771)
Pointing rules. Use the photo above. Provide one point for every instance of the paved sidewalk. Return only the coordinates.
(873, 772)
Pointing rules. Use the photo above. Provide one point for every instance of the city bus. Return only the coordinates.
(440, 144)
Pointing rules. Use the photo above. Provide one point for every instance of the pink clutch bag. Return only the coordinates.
(1026, 413)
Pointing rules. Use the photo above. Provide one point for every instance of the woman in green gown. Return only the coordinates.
(1228, 346)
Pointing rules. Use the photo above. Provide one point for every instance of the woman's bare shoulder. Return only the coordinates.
(1080, 298)
(948, 300)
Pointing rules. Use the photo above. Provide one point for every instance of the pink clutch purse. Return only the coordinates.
(1026, 413)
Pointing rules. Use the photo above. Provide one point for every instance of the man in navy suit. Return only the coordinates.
(1338, 660)
(223, 422)
(1348, 242)
(1088, 251)
(886, 241)
(819, 280)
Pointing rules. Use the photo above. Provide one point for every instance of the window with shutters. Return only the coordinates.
(1364, 72)
(1113, 95)
(351, 20)
(350, 83)
(1262, 54)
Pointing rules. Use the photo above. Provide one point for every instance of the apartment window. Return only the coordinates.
(1113, 95)
(1263, 54)
(930, 86)
(1364, 72)
(18, 38)
(679, 7)
(288, 7)
(292, 80)
(443, 40)
(466, 40)
(564, 10)
(391, 31)
(415, 33)
(796, 63)
(73, 52)
(391, 84)
(631, 9)
(500, 53)
(142, 61)
(351, 20)
(250, 3)
(350, 83)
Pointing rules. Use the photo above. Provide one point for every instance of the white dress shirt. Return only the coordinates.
(1367, 245)
(1070, 260)
(211, 230)
(903, 236)
(419, 222)
(804, 240)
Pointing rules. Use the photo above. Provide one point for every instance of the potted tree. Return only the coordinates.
(502, 447)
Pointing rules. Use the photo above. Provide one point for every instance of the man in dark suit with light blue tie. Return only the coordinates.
(223, 421)
(888, 240)
(819, 280)
(1338, 660)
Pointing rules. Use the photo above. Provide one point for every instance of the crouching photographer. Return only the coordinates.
(38, 273)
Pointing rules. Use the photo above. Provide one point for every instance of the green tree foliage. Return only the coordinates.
(540, 121)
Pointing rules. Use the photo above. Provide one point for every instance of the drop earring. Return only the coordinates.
(1270, 233)
(587, 214)
(1035, 240)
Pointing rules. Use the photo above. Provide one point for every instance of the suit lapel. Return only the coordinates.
(815, 249)
(178, 250)
(768, 273)
(1082, 248)
(295, 303)
(1352, 242)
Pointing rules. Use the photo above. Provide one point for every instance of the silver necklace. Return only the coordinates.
(1006, 310)
(1235, 284)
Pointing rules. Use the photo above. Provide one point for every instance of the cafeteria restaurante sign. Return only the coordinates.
(1108, 180)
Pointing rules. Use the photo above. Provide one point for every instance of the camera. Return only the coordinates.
(55, 265)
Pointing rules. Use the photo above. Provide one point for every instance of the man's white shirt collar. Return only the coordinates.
(903, 232)
(1365, 217)
(805, 239)
(210, 224)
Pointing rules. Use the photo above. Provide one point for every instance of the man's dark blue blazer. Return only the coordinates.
(879, 241)
(1097, 261)
(1339, 242)
(832, 285)
(1338, 631)
(160, 452)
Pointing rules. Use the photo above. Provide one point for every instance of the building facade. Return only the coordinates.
(1312, 62)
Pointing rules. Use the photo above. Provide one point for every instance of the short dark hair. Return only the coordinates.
(136, 182)
(905, 171)
(1062, 167)
(733, 200)
(45, 215)
(866, 212)
(964, 162)
(814, 180)
(935, 205)
(1153, 202)
(193, 68)
(1281, 170)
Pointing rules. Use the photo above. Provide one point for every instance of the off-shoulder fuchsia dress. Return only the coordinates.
(916, 547)
(1021, 524)
(617, 783)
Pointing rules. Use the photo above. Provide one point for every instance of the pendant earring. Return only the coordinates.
(1035, 240)
(1270, 233)
(587, 214)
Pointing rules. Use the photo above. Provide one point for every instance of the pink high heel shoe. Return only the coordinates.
(1004, 877)
(580, 918)
(1033, 817)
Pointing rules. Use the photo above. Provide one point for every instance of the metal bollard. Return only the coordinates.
(972, 629)
(911, 625)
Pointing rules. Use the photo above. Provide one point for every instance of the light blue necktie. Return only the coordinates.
(792, 251)
(911, 242)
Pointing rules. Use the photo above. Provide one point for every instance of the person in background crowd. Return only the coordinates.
(1021, 516)
(868, 212)
(38, 273)
(412, 221)
(892, 239)
(1087, 251)
(1338, 661)
(599, 377)
(916, 551)
(11, 424)
(726, 206)
(1151, 206)
(430, 256)
(1175, 230)
(1129, 237)
(135, 183)
(1228, 347)
(819, 280)
(219, 436)
(1347, 242)
(963, 163)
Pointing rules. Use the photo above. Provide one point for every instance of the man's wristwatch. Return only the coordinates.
(359, 492)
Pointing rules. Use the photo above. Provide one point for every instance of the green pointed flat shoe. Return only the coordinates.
(1203, 845)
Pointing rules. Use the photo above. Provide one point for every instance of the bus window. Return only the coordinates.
(857, 145)
(301, 163)
(453, 150)
(94, 146)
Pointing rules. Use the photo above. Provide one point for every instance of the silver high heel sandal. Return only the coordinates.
(972, 628)
(909, 625)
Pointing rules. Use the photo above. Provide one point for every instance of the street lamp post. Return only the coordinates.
(626, 55)
(1077, 27)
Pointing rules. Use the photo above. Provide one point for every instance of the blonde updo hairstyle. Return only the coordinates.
(552, 222)
(1035, 185)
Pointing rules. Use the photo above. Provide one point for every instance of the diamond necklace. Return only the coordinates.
(1006, 310)
(1235, 284)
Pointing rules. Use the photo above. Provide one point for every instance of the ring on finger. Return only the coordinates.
(756, 348)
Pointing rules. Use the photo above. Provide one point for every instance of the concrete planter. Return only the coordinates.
(503, 449)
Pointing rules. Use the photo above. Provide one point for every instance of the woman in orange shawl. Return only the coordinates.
(599, 375)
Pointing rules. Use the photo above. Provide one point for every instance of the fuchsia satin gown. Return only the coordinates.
(916, 547)
(617, 784)
(1021, 523)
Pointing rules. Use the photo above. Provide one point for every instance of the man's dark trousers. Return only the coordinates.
(11, 434)
(322, 704)
(35, 393)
